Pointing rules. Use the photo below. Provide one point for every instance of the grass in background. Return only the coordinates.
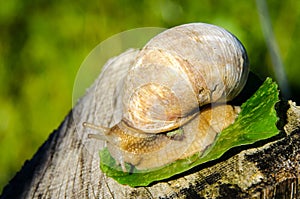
(43, 43)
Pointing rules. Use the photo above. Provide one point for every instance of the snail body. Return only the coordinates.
(148, 151)
(174, 96)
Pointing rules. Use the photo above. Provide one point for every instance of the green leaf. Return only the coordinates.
(256, 121)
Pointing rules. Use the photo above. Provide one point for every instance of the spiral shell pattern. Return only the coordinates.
(179, 71)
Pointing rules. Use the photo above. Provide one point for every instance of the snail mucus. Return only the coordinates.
(175, 94)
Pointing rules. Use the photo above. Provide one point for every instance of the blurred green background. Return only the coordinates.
(43, 43)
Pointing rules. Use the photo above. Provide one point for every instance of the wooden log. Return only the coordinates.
(67, 164)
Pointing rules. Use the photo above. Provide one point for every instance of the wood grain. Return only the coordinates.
(67, 164)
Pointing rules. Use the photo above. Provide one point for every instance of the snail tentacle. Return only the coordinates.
(103, 129)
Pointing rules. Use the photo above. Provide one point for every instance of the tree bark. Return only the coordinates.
(67, 164)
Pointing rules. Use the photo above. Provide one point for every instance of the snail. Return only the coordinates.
(174, 96)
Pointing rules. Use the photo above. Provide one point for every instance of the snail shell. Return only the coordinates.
(166, 92)
(179, 71)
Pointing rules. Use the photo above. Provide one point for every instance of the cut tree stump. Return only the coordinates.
(67, 164)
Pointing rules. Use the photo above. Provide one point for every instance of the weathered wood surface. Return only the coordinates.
(67, 164)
